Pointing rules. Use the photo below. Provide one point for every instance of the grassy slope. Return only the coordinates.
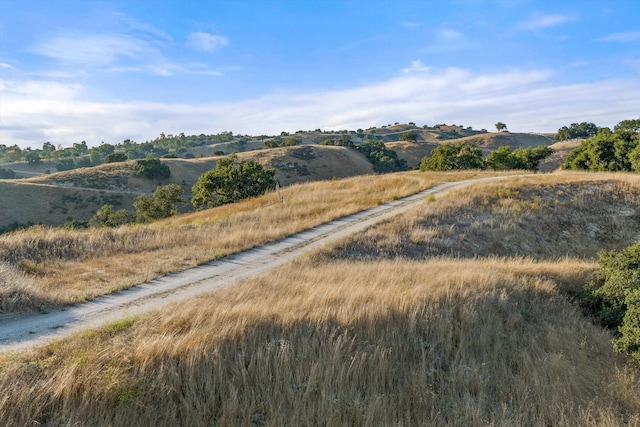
(377, 338)
(77, 194)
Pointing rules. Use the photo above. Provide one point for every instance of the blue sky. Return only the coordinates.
(97, 71)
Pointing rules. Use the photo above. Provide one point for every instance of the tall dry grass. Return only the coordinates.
(546, 216)
(70, 266)
(439, 342)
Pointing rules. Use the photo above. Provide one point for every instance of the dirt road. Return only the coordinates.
(20, 332)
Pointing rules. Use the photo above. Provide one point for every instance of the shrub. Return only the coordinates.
(408, 136)
(7, 173)
(115, 158)
(231, 181)
(107, 216)
(162, 204)
(447, 157)
(614, 297)
(152, 168)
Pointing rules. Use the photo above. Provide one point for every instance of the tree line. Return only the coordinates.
(606, 150)
(449, 157)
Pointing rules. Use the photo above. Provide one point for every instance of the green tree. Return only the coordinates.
(32, 157)
(94, 156)
(408, 136)
(501, 126)
(382, 158)
(614, 297)
(162, 204)
(107, 216)
(448, 157)
(231, 181)
(576, 130)
(607, 151)
(152, 168)
(115, 158)
(530, 158)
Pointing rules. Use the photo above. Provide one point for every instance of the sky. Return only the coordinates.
(94, 71)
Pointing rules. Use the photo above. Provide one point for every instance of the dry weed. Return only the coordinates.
(441, 342)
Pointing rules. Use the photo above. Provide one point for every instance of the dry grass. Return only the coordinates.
(547, 217)
(71, 266)
(441, 342)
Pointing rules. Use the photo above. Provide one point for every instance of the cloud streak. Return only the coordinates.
(539, 21)
(206, 42)
(527, 100)
(625, 37)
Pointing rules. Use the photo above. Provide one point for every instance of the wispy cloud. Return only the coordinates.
(539, 21)
(93, 49)
(121, 53)
(206, 42)
(34, 112)
(416, 67)
(5, 65)
(448, 34)
(624, 36)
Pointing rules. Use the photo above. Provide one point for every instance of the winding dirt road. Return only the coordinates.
(21, 332)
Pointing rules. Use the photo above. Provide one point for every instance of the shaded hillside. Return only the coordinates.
(29, 203)
(412, 152)
(561, 151)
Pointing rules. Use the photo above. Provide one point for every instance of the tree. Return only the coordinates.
(32, 157)
(152, 168)
(576, 130)
(107, 216)
(231, 181)
(448, 157)
(383, 159)
(501, 126)
(530, 158)
(162, 204)
(408, 136)
(607, 151)
(614, 297)
(115, 158)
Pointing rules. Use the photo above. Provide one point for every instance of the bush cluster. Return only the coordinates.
(448, 157)
(152, 168)
(383, 159)
(614, 298)
(609, 151)
(231, 181)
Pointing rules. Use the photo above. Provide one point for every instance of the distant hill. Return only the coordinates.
(54, 199)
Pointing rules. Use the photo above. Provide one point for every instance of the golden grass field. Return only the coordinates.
(433, 318)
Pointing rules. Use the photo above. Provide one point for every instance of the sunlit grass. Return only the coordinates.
(441, 342)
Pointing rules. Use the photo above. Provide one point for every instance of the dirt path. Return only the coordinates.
(20, 332)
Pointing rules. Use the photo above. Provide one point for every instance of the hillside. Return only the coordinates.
(56, 198)
(456, 313)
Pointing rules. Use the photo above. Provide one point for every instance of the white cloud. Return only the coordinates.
(625, 36)
(539, 21)
(206, 42)
(416, 67)
(93, 49)
(526, 100)
(115, 53)
(5, 65)
(448, 34)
